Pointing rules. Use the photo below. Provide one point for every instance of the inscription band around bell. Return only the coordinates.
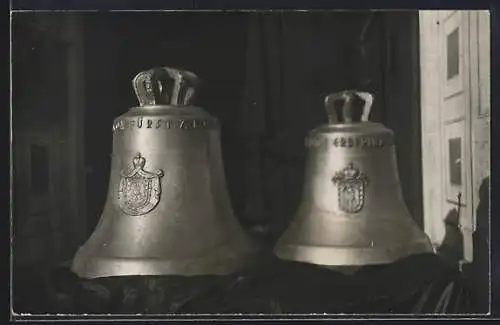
(167, 210)
(352, 211)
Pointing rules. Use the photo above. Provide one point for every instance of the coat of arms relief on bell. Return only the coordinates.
(140, 190)
(351, 188)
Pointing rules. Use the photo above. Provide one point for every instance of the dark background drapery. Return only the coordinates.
(293, 60)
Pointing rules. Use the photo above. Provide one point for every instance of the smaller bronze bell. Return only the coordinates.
(352, 210)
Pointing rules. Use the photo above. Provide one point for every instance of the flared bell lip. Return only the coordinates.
(354, 256)
(92, 267)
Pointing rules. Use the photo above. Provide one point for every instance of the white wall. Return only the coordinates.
(454, 107)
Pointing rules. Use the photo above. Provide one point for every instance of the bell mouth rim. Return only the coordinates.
(352, 256)
(93, 266)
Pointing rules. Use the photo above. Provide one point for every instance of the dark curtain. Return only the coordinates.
(262, 120)
(293, 60)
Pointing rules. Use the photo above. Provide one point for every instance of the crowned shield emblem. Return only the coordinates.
(351, 184)
(139, 190)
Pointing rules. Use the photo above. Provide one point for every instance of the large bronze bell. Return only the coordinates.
(352, 211)
(167, 210)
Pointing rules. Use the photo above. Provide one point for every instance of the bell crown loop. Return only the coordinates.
(165, 86)
(348, 113)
